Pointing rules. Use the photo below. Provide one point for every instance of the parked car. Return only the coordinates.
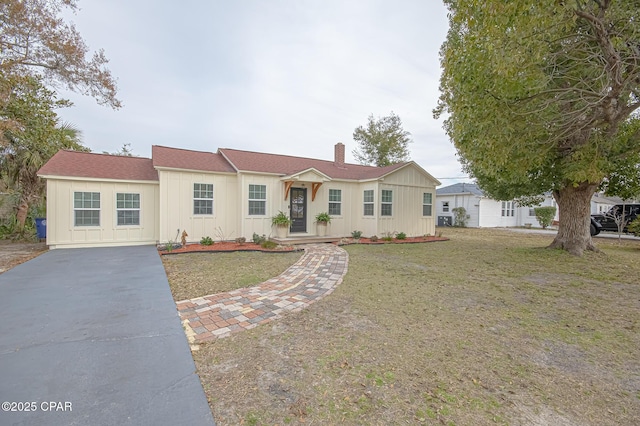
(595, 227)
(608, 220)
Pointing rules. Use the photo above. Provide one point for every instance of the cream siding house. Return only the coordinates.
(98, 199)
(113, 204)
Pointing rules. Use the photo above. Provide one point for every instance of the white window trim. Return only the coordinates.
(339, 203)
(372, 203)
(262, 200)
(193, 209)
(427, 204)
(508, 209)
(386, 203)
(129, 209)
(73, 203)
(445, 207)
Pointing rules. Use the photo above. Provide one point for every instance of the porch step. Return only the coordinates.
(306, 239)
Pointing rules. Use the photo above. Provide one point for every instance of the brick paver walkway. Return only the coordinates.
(318, 272)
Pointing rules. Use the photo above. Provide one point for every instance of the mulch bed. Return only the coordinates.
(408, 240)
(225, 246)
(230, 246)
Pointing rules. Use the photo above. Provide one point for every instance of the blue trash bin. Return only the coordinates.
(41, 227)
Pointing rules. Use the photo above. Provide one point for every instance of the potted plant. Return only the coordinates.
(282, 222)
(322, 219)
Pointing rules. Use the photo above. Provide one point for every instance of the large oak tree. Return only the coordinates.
(624, 179)
(538, 97)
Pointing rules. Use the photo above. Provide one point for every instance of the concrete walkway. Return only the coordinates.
(317, 273)
(92, 337)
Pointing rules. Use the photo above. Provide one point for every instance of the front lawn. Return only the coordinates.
(487, 328)
(196, 274)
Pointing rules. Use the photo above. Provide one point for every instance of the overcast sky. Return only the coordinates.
(286, 77)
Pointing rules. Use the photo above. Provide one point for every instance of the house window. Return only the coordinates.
(86, 208)
(128, 209)
(202, 198)
(257, 199)
(508, 208)
(532, 211)
(368, 202)
(335, 202)
(386, 203)
(445, 207)
(426, 203)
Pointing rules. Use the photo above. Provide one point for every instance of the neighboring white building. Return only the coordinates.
(484, 212)
(101, 200)
(601, 204)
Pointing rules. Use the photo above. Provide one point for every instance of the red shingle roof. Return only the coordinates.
(104, 166)
(99, 166)
(285, 165)
(189, 160)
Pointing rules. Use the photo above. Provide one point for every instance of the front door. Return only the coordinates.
(298, 211)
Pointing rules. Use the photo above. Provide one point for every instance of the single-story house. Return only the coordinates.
(484, 212)
(100, 199)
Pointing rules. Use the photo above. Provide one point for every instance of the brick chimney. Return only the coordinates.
(339, 155)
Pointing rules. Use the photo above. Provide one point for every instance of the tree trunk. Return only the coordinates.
(21, 214)
(574, 206)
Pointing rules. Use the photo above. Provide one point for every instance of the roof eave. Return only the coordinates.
(94, 179)
(180, 169)
(461, 193)
(375, 179)
(254, 172)
(293, 176)
(407, 164)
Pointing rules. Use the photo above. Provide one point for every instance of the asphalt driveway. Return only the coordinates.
(92, 336)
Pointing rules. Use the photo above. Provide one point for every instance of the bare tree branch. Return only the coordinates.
(36, 41)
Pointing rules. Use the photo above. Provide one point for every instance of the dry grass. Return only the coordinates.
(14, 253)
(199, 274)
(488, 328)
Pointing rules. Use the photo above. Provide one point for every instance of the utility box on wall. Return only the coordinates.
(444, 221)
